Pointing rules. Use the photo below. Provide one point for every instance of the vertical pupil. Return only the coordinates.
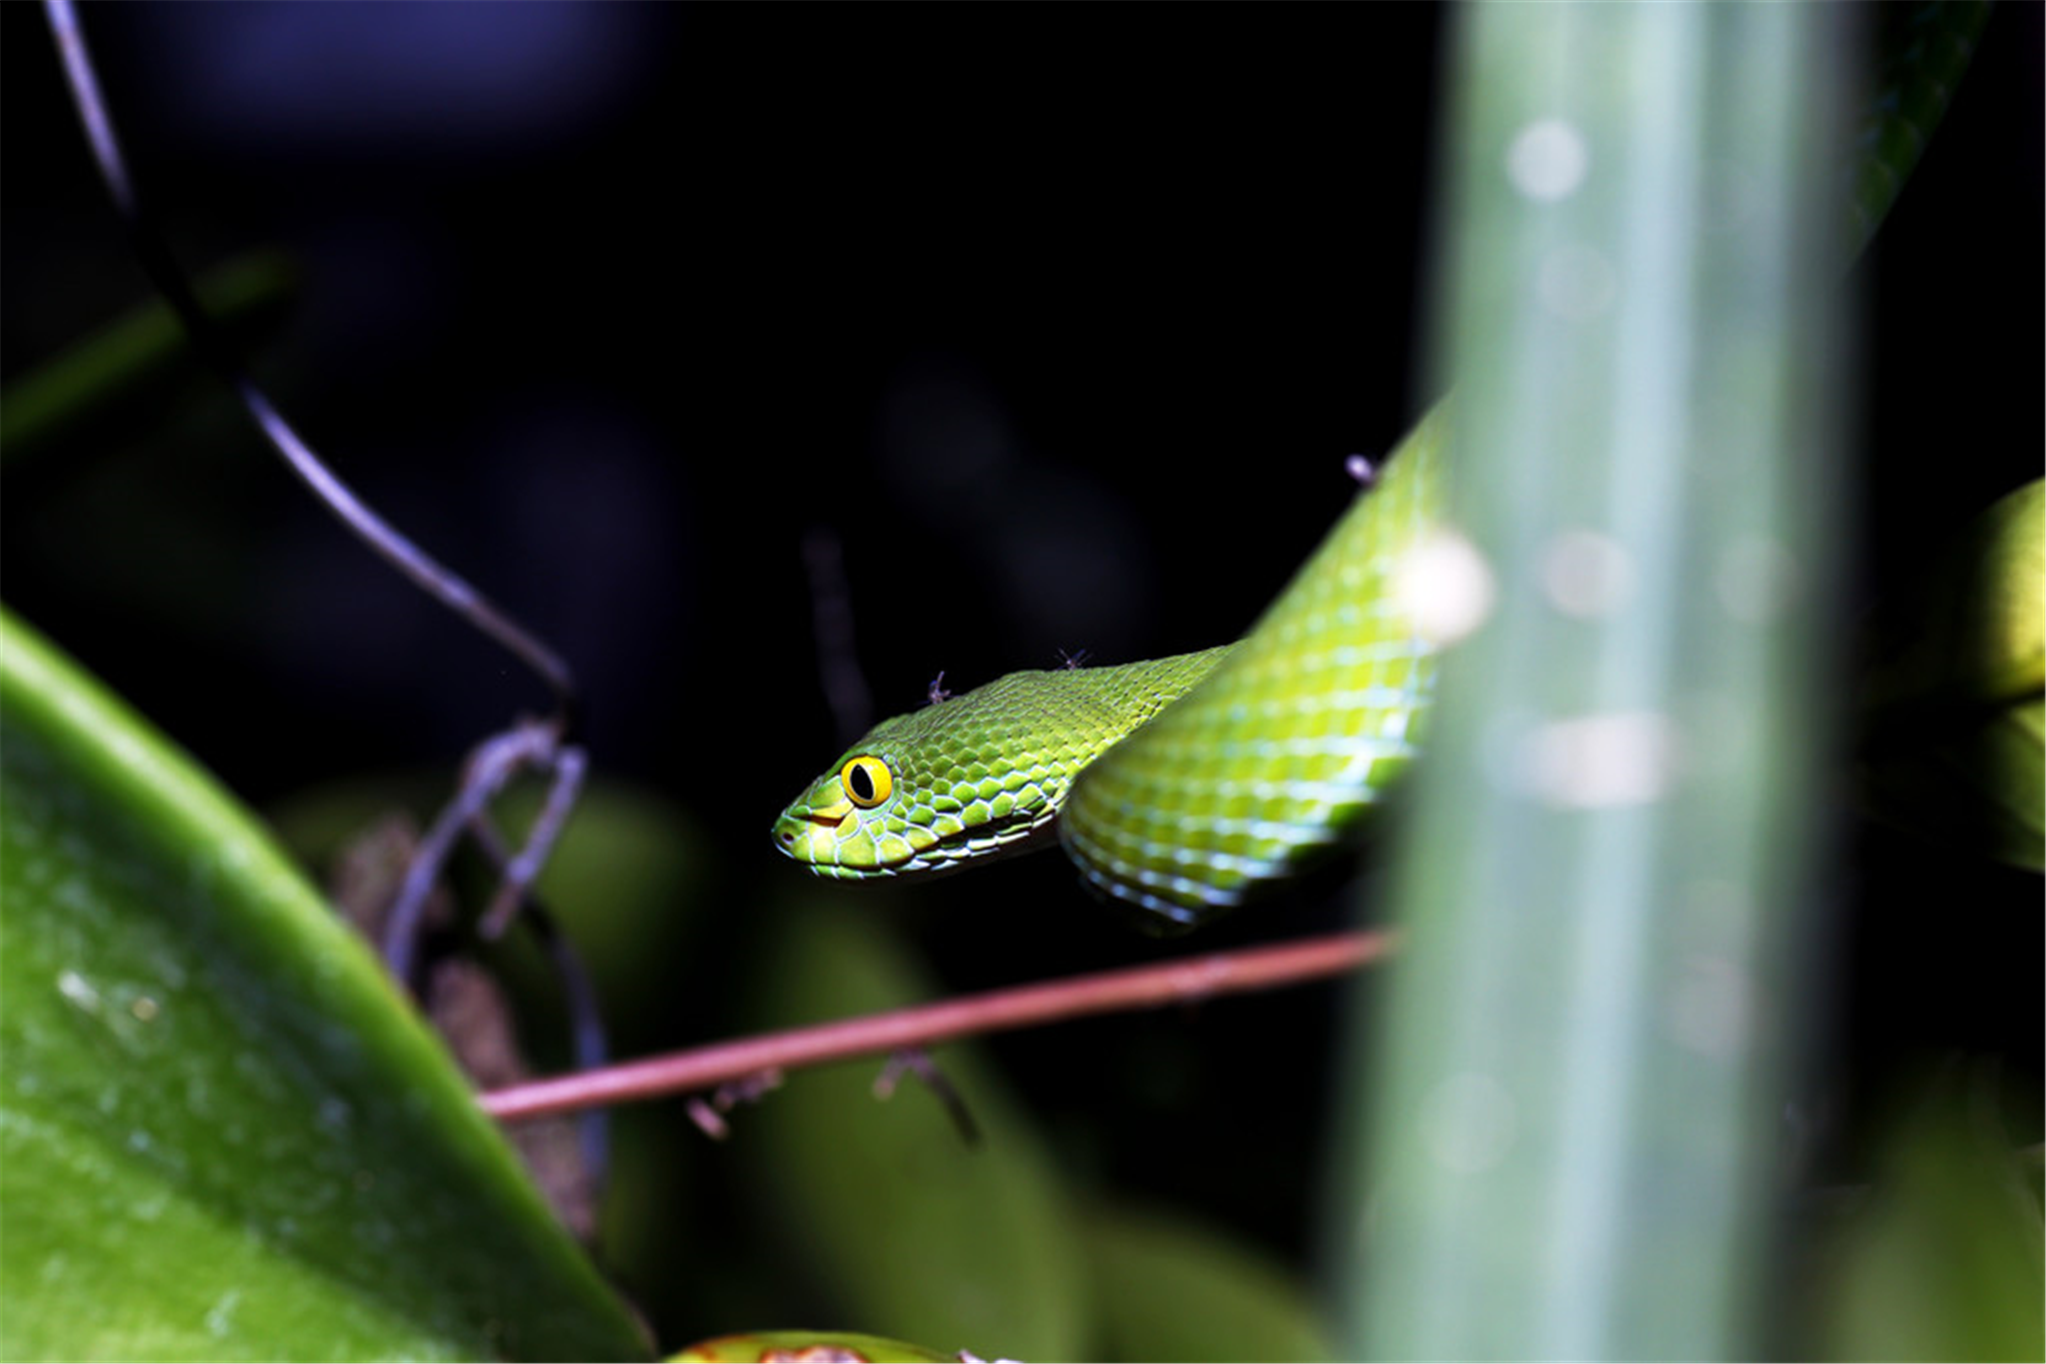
(862, 785)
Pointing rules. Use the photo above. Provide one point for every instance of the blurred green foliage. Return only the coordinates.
(135, 357)
(1955, 702)
(1944, 1254)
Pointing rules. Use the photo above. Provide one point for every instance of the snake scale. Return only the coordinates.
(1183, 786)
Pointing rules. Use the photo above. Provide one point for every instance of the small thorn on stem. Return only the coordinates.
(707, 1119)
(707, 1112)
(916, 1061)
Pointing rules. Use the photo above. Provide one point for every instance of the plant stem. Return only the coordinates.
(1188, 980)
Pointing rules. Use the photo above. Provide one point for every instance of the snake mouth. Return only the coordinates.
(789, 830)
(1021, 831)
(789, 826)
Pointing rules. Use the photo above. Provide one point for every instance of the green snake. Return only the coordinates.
(1180, 785)
(1183, 786)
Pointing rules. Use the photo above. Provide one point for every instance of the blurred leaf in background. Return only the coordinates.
(910, 1231)
(1943, 1255)
(1956, 702)
(1168, 1288)
(1575, 1091)
(129, 361)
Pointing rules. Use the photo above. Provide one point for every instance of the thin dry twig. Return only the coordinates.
(539, 744)
(219, 354)
(1185, 981)
(831, 613)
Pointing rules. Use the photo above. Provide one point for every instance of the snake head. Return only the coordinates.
(826, 831)
(876, 814)
(924, 793)
(862, 819)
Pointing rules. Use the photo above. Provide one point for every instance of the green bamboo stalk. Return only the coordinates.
(1576, 1075)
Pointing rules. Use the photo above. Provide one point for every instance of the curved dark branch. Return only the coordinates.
(219, 355)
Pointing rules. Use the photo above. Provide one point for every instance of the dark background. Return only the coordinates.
(1061, 321)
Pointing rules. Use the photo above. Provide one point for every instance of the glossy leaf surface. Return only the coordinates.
(223, 1133)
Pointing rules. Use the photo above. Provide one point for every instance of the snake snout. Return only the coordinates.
(798, 831)
(788, 835)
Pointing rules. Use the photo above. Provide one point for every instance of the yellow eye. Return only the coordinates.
(866, 780)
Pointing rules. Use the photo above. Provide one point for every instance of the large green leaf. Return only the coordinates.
(223, 1133)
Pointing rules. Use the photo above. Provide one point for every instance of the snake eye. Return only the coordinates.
(867, 781)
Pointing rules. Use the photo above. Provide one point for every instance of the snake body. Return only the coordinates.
(1181, 786)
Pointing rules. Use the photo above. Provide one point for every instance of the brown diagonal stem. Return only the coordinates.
(1185, 981)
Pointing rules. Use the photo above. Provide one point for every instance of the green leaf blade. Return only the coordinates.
(1579, 1059)
(224, 1134)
